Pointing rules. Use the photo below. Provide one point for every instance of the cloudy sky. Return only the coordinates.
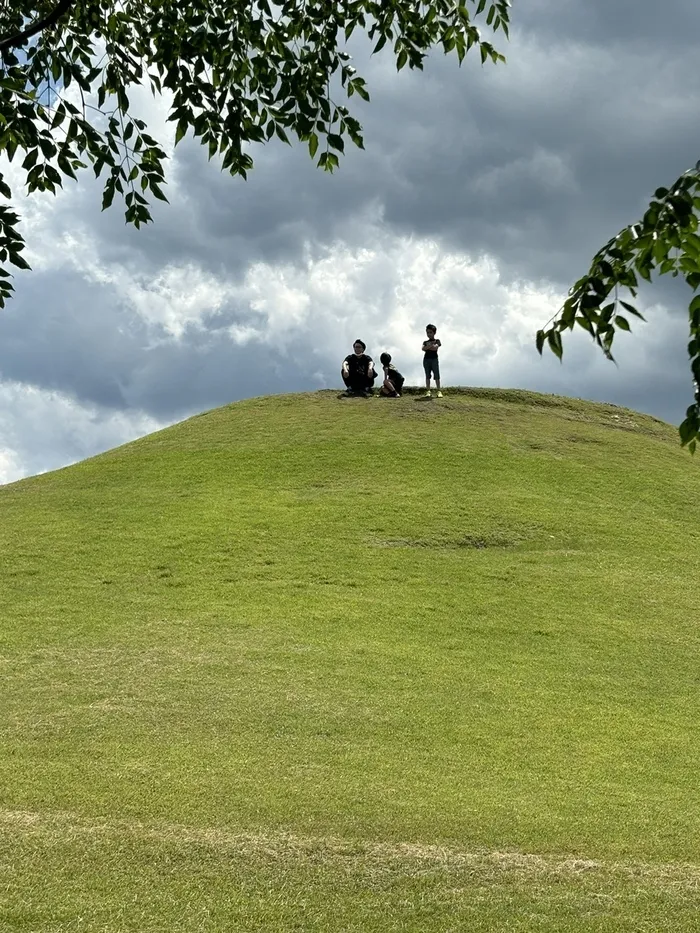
(481, 195)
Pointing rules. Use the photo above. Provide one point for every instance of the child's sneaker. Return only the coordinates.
(428, 394)
(439, 395)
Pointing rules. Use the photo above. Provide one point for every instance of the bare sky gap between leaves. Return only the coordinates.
(482, 194)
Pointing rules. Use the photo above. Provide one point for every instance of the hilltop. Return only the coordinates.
(372, 665)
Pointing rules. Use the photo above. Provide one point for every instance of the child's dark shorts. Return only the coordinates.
(432, 366)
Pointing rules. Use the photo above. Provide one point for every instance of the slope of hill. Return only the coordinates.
(304, 664)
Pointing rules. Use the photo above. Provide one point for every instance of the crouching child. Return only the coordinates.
(393, 380)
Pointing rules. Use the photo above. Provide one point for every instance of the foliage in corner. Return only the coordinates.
(237, 72)
(665, 241)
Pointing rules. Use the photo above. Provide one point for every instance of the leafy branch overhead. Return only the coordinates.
(236, 72)
(665, 241)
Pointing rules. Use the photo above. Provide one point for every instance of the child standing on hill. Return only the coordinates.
(430, 359)
(393, 380)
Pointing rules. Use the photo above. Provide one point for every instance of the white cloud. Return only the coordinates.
(386, 293)
(10, 466)
(45, 430)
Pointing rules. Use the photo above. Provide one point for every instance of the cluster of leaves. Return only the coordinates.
(236, 72)
(665, 241)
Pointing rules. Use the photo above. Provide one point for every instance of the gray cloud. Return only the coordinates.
(537, 162)
(87, 344)
(670, 25)
(534, 161)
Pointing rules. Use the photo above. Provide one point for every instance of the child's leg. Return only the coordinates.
(388, 388)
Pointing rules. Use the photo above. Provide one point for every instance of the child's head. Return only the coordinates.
(385, 359)
(431, 330)
(359, 347)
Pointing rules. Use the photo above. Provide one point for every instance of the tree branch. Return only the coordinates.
(10, 42)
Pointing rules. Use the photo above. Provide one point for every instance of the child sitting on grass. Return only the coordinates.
(393, 380)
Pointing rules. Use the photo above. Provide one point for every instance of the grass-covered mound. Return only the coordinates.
(361, 665)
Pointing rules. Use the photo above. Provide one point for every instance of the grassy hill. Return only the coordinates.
(361, 665)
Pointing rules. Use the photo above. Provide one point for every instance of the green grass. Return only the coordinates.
(387, 665)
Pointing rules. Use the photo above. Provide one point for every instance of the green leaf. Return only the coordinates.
(156, 191)
(107, 197)
(632, 310)
(555, 344)
(281, 134)
(53, 175)
(18, 261)
(358, 86)
(688, 429)
(586, 324)
(30, 159)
